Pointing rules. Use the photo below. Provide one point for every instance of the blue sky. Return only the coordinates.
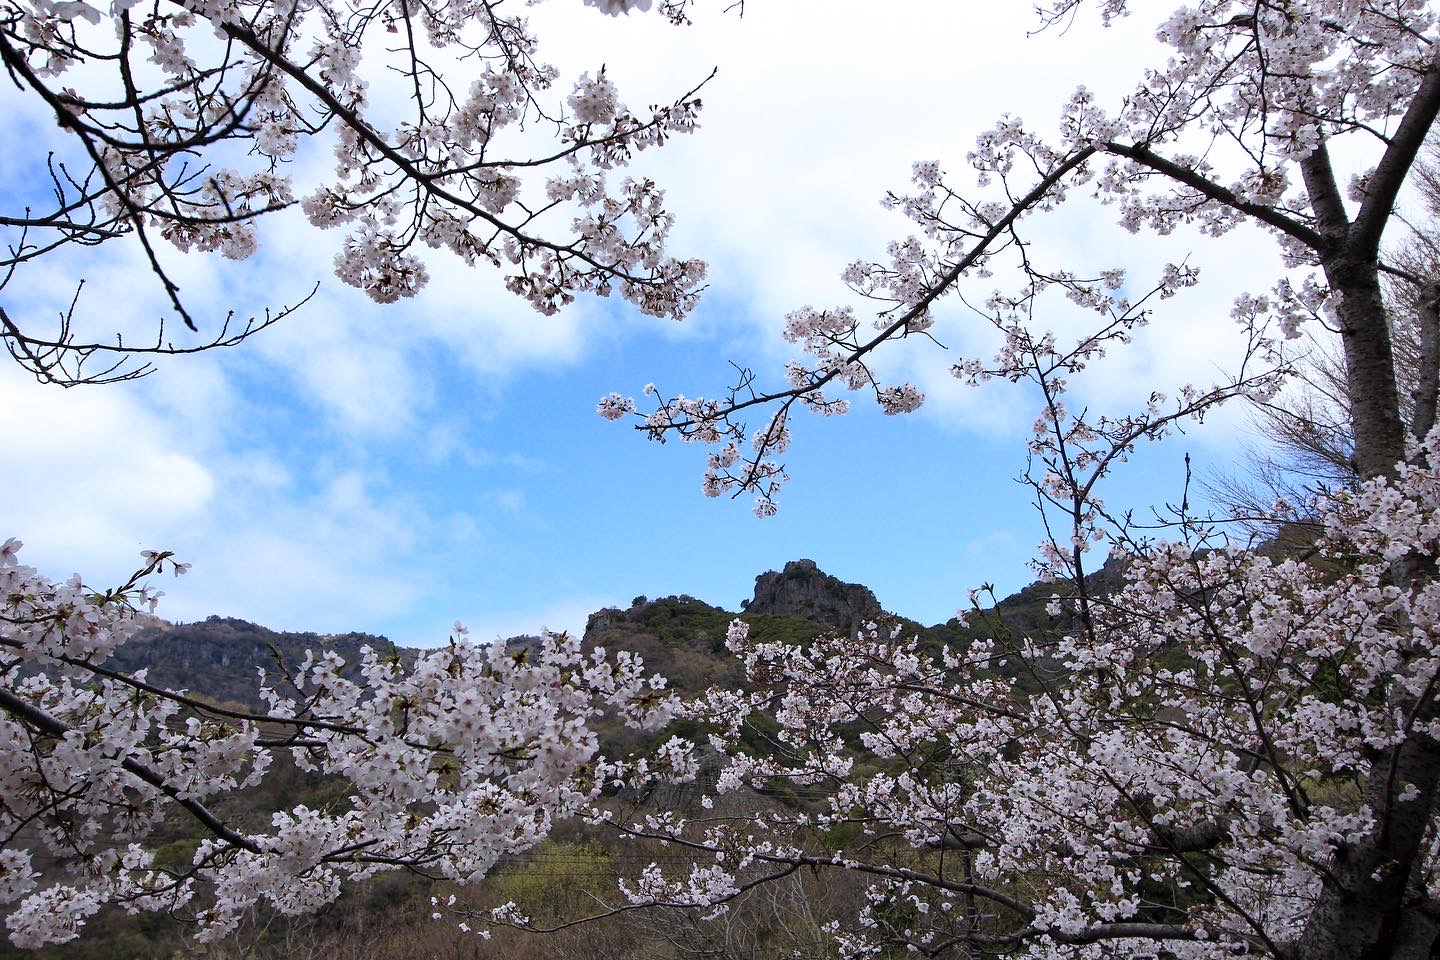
(393, 468)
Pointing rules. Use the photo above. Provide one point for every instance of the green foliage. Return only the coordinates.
(176, 854)
(775, 628)
(842, 836)
(387, 891)
(112, 935)
(685, 621)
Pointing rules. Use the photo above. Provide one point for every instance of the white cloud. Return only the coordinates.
(818, 110)
(510, 500)
(90, 469)
(311, 576)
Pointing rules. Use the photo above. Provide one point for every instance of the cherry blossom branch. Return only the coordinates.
(60, 360)
(1186, 176)
(1382, 188)
(54, 729)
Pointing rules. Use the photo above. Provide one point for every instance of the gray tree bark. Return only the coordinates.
(1362, 910)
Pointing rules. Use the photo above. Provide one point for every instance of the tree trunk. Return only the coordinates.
(1361, 910)
(1369, 366)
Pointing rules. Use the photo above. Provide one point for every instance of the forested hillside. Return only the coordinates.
(219, 657)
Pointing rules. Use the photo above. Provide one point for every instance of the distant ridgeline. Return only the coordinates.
(679, 637)
(218, 657)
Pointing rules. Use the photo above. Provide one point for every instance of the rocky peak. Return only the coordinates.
(603, 622)
(804, 590)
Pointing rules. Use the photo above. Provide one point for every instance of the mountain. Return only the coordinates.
(804, 591)
(218, 658)
(683, 638)
(679, 637)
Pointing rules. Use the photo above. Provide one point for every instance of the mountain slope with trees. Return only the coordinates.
(220, 657)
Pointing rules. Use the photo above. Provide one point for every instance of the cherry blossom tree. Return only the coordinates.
(1230, 755)
(1308, 438)
(464, 756)
(178, 123)
(1187, 773)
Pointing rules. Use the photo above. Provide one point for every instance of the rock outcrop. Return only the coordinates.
(805, 591)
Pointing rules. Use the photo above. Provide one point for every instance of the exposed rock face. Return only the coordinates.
(601, 623)
(804, 590)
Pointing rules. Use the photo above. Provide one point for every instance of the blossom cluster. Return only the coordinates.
(1209, 141)
(467, 754)
(195, 141)
(1178, 765)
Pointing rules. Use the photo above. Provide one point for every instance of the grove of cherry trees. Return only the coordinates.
(1235, 753)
